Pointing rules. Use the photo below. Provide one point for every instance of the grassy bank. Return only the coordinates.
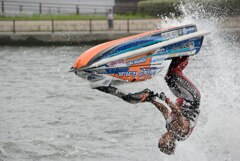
(74, 17)
(169, 7)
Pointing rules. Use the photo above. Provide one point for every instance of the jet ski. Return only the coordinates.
(138, 57)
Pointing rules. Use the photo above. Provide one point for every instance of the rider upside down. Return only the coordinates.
(182, 117)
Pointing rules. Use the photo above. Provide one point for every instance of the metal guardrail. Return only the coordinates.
(88, 26)
(19, 7)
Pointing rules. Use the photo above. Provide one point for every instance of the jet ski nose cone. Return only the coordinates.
(72, 69)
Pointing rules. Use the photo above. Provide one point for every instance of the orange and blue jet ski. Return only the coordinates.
(138, 57)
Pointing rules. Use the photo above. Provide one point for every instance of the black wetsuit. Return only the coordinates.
(183, 88)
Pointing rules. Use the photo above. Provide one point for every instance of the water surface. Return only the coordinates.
(50, 114)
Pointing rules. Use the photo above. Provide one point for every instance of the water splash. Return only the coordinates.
(195, 13)
(215, 71)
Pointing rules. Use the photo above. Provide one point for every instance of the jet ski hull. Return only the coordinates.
(138, 57)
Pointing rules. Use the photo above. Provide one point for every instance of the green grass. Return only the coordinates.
(73, 17)
(158, 1)
(133, 16)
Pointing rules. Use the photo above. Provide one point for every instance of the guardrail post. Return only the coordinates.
(2, 6)
(14, 26)
(77, 9)
(90, 25)
(128, 27)
(52, 26)
(40, 8)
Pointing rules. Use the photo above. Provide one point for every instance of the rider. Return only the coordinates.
(184, 113)
(180, 122)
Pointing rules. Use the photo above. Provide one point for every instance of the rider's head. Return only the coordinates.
(167, 143)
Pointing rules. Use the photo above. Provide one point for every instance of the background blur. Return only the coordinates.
(32, 22)
(148, 7)
(49, 114)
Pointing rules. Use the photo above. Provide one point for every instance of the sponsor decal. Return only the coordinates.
(173, 53)
(156, 59)
(161, 50)
(170, 34)
(189, 30)
(128, 74)
(183, 83)
(151, 71)
(137, 61)
(189, 45)
(180, 32)
(115, 63)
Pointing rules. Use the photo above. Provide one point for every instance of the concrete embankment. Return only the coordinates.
(61, 38)
(69, 32)
(66, 35)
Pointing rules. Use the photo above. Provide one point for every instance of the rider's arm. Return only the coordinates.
(128, 97)
(162, 108)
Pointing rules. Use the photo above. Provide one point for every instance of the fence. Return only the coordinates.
(76, 25)
(16, 7)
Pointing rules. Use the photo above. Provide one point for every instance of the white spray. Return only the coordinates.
(216, 72)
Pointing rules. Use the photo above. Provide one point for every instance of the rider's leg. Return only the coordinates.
(179, 84)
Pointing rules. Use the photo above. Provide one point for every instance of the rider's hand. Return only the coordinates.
(144, 97)
(162, 96)
(147, 97)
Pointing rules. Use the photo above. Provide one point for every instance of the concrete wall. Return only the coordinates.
(59, 38)
(77, 32)
(76, 25)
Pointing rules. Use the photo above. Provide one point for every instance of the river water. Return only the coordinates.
(50, 114)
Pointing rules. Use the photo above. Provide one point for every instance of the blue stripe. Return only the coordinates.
(137, 47)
